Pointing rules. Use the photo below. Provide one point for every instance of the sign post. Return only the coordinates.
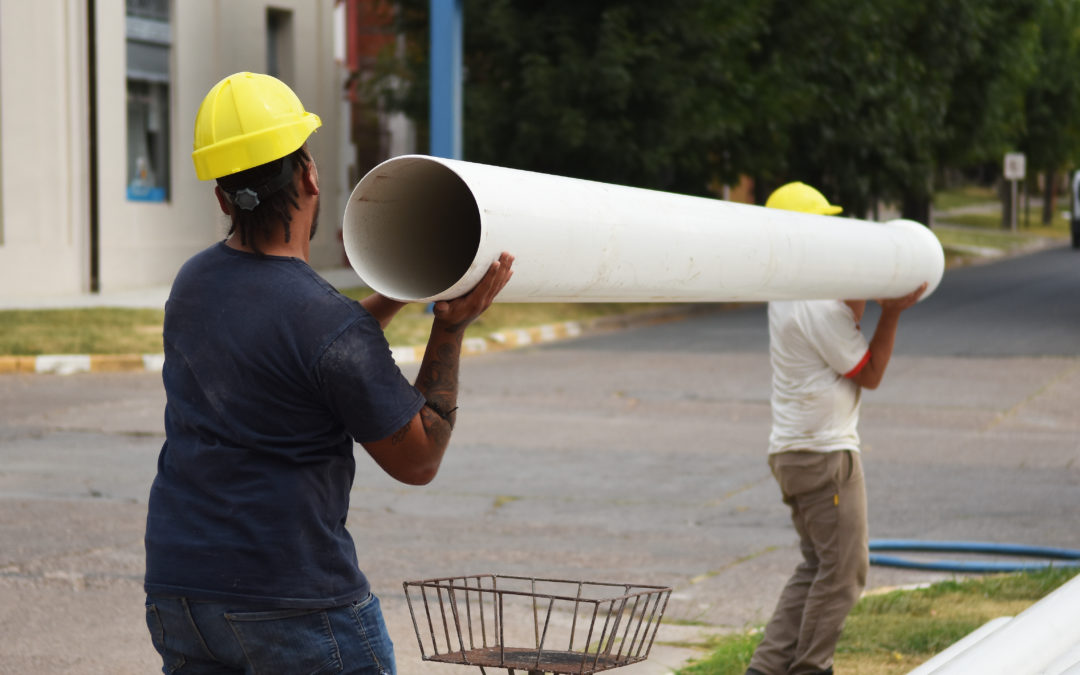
(445, 69)
(1015, 169)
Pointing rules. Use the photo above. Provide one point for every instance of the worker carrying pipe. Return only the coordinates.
(820, 362)
(270, 377)
(421, 228)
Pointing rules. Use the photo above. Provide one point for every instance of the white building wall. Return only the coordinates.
(44, 138)
(44, 162)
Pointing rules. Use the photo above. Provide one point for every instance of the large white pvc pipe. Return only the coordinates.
(420, 228)
(960, 646)
(1065, 664)
(1028, 643)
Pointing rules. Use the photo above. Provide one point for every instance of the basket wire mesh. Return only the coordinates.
(537, 625)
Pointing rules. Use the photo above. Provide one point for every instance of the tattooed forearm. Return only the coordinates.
(438, 381)
(436, 427)
(438, 377)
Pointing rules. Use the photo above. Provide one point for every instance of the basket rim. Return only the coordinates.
(631, 590)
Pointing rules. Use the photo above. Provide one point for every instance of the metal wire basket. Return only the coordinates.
(536, 625)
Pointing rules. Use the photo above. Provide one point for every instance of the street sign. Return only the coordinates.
(1015, 166)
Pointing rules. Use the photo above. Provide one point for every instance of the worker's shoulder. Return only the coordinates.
(301, 291)
(805, 308)
(820, 309)
(808, 317)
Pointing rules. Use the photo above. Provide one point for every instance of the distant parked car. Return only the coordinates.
(1074, 212)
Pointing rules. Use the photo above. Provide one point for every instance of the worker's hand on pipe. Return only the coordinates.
(897, 305)
(460, 312)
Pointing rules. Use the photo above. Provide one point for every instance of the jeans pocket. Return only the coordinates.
(287, 641)
(171, 661)
(374, 639)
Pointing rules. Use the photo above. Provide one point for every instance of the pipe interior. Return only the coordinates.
(413, 229)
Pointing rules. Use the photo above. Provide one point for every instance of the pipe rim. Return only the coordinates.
(413, 248)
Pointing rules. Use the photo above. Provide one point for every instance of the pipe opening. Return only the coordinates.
(411, 228)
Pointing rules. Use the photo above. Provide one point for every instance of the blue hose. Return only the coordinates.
(1056, 557)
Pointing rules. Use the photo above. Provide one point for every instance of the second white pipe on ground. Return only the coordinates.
(1028, 643)
(420, 228)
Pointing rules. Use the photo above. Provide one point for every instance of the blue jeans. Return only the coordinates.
(195, 637)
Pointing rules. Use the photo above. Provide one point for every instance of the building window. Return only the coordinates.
(1, 172)
(149, 40)
(279, 44)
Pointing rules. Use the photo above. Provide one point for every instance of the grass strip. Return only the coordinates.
(109, 330)
(892, 633)
(100, 330)
(963, 196)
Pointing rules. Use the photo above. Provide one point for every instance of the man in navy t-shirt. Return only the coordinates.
(271, 375)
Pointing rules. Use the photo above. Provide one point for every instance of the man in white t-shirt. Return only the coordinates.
(821, 362)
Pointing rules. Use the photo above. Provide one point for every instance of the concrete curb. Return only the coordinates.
(71, 364)
(565, 330)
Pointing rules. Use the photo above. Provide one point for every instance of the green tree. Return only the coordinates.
(1051, 138)
(635, 92)
(866, 100)
(882, 94)
(851, 122)
(991, 71)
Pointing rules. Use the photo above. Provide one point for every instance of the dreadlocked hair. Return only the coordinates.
(273, 210)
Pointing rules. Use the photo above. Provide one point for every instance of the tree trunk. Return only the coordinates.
(917, 208)
(1005, 190)
(761, 190)
(1049, 196)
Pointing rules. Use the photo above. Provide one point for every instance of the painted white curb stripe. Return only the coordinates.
(153, 362)
(62, 364)
(70, 364)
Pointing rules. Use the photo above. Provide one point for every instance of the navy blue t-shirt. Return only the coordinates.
(270, 375)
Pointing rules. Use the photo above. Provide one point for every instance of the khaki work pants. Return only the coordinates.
(827, 496)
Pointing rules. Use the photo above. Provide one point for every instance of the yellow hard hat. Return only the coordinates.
(803, 198)
(246, 120)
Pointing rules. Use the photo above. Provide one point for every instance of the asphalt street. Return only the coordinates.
(635, 456)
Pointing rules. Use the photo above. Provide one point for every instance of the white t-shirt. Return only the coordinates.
(813, 344)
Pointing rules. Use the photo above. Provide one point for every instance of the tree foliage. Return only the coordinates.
(1051, 136)
(633, 92)
(866, 100)
(881, 93)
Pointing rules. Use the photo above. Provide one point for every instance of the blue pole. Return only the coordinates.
(446, 46)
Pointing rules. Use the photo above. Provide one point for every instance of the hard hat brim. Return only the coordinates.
(248, 151)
